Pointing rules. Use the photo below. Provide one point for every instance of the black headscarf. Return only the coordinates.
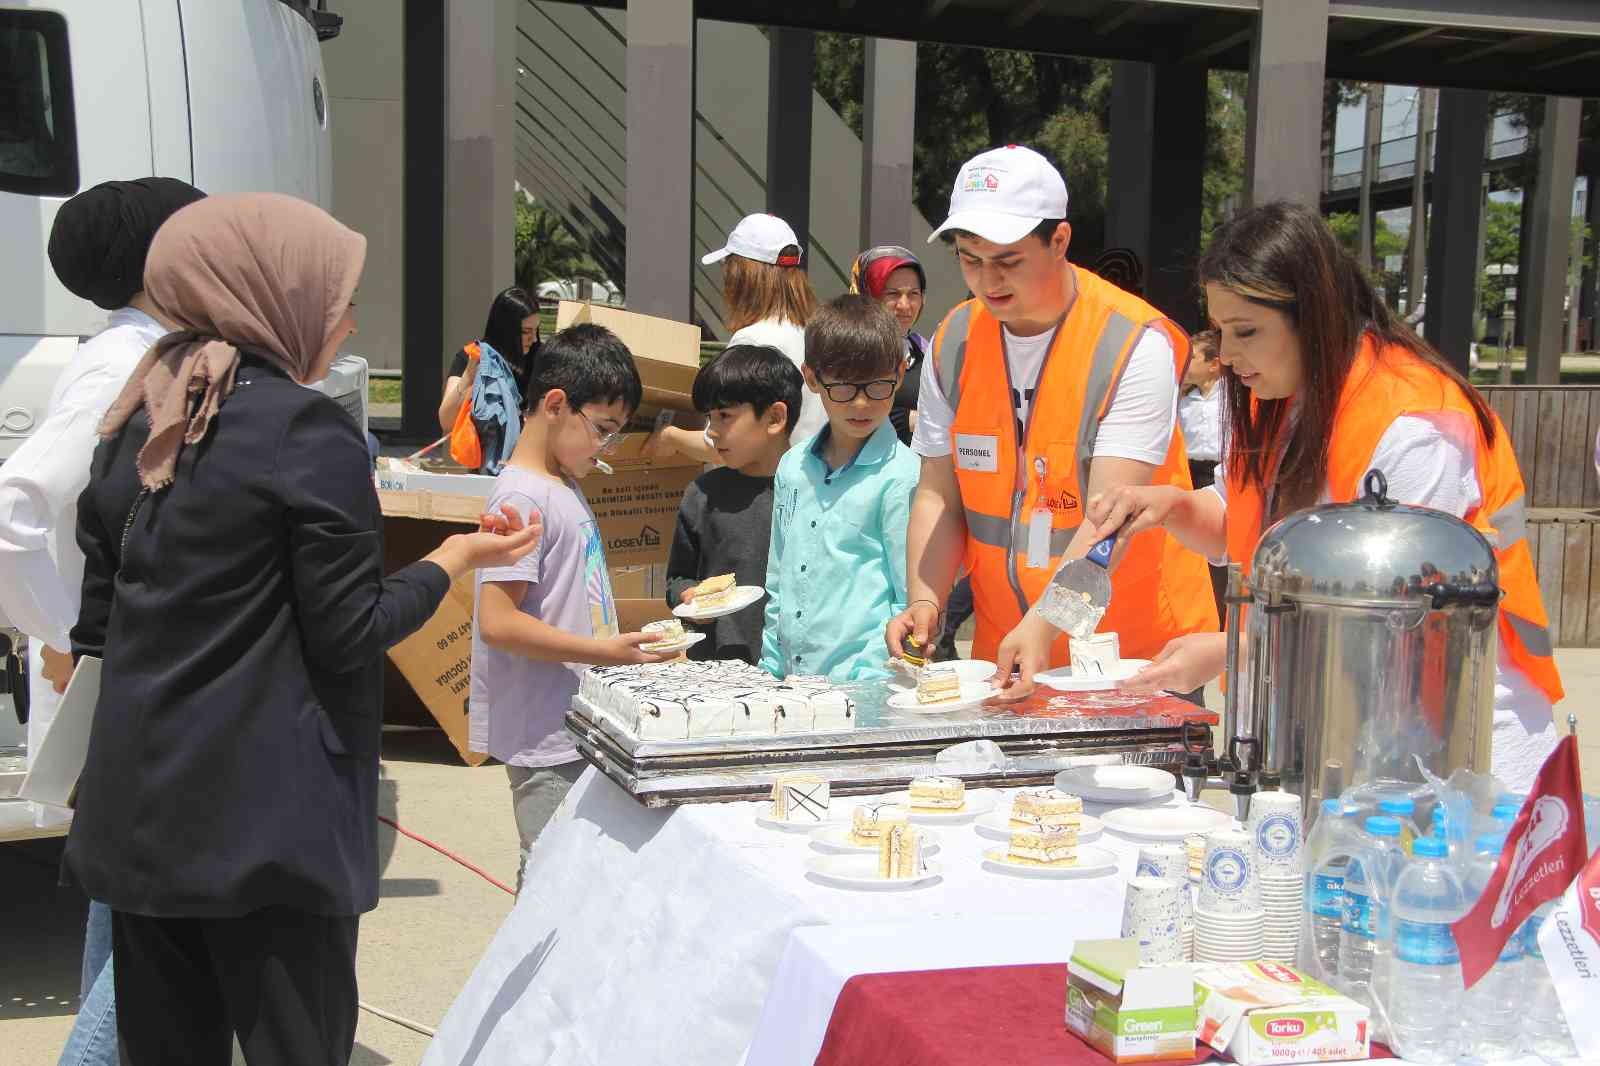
(100, 237)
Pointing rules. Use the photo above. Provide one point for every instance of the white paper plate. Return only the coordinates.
(996, 824)
(1092, 862)
(1164, 823)
(861, 872)
(743, 596)
(766, 821)
(689, 640)
(1117, 783)
(1062, 678)
(834, 837)
(979, 801)
(972, 694)
(968, 670)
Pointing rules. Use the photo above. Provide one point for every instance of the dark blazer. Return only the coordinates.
(233, 763)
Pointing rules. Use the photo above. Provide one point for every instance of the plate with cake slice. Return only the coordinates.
(1039, 808)
(1065, 863)
(1102, 678)
(670, 636)
(941, 799)
(940, 691)
(898, 861)
(842, 839)
(718, 596)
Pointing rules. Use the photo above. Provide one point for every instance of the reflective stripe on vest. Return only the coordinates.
(951, 358)
(1534, 637)
(1510, 523)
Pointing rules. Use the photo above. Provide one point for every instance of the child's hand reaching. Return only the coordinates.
(624, 650)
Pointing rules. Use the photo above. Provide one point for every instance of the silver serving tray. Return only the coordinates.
(1041, 736)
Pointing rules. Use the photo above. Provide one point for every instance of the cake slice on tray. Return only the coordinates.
(713, 592)
(943, 794)
(1042, 846)
(900, 853)
(869, 822)
(1048, 807)
(938, 685)
(799, 798)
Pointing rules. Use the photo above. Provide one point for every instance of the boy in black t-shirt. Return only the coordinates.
(750, 395)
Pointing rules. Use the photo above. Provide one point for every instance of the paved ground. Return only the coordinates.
(435, 918)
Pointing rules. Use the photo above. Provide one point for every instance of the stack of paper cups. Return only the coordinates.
(1151, 915)
(1229, 923)
(1276, 829)
(1195, 845)
(1171, 863)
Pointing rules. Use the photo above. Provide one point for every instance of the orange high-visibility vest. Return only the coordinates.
(1160, 589)
(1381, 387)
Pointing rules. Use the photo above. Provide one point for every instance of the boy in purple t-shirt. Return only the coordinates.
(539, 623)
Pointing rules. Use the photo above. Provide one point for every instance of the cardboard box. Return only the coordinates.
(636, 506)
(632, 614)
(1261, 1012)
(1129, 1012)
(436, 662)
(667, 353)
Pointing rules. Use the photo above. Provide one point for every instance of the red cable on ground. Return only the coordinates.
(447, 853)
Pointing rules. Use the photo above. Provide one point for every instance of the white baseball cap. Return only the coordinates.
(1003, 194)
(764, 238)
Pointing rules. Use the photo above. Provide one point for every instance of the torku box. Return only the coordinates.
(1130, 1012)
(1262, 1012)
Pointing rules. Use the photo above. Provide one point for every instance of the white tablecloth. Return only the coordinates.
(646, 936)
(820, 959)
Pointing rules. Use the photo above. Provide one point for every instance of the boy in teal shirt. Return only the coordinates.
(836, 567)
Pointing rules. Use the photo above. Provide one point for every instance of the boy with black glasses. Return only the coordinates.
(836, 567)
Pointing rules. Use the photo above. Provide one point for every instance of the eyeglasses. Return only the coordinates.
(845, 391)
(606, 439)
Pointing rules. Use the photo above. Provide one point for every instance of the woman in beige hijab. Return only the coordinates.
(234, 589)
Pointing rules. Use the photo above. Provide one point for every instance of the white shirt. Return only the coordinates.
(41, 568)
(1200, 415)
(789, 339)
(1430, 460)
(1137, 426)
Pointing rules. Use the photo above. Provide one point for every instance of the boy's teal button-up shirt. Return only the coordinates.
(836, 568)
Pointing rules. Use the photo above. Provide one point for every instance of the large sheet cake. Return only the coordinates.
(689, 700)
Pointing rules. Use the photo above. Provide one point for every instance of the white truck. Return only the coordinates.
(226, 94)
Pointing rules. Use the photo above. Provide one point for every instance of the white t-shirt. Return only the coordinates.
(1200, 415)
(1138, 425)
(789, 339)
(1430, 460)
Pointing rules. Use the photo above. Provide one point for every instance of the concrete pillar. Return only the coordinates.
(1132, 157)
(422, 268)
(1284, 136)
(888, 131)
(1155, 211)
(479, 161)
(1552, 238)
(660, 150)
(792, 58)
(1456, 223)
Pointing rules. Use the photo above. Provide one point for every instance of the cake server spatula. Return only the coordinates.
(1079, 593)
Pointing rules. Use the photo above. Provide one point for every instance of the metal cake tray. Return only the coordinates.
(1048, 732)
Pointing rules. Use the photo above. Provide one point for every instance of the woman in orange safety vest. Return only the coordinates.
(1323, 383)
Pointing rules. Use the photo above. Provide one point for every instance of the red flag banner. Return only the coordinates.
(1589, 896)
(1543, 853)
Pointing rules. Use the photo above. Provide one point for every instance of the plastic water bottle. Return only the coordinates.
(1545, 1027)
(1404, 810)
(1425, 991)
(1364, 927)
(1494, 1005)
(1328, 849)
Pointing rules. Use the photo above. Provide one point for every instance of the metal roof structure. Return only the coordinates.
(1539, 46)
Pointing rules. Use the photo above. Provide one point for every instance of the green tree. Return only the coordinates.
(546, 250)
(1502, 242)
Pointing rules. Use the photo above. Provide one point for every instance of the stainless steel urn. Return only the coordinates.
(1370, 639)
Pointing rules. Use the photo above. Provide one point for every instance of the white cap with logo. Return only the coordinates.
(764, 238)
(1004, 193)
